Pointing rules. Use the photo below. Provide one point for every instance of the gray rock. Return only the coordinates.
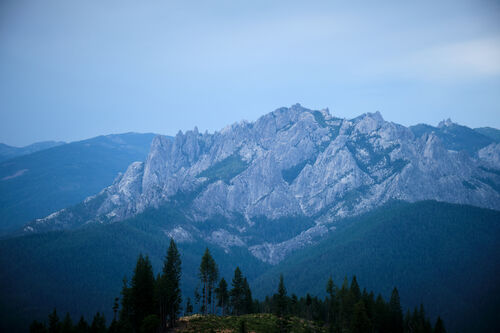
(290, 162)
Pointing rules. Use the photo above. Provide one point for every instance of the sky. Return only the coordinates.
(71, 70)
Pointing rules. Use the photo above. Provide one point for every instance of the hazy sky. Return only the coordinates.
(71, 70)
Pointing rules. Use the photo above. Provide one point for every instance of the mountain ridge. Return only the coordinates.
(295, 162)
(37, 184)
(7, 152)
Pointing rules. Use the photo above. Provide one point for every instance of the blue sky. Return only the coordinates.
(71, 70)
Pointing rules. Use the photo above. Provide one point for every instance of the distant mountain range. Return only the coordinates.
(298, 191)
(298, 164)
(36, 184)
(8, 152)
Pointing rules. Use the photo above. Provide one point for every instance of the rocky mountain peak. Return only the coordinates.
(446, 123)
(290, 163)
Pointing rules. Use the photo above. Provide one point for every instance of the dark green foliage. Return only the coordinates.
(79, 169)
(281, 308)
(222, 295)
(281, 298)
(168, 291)
(354, 290)
(209, 274)
(98, 324)
(150, 324)
(360, 322)
(37, 327)
(347, 310)
(54, 324)
(395, 313)
(80, 271)
(189, 307)
(142, 292)
(242, 327)
(226, 169)
(278, 230)
(439, 327)
(428, 249)
(67, 324)
(82, 326)
(247, 297)
(237, 293)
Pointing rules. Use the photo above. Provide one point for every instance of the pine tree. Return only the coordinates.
(213, 277)
(208, 274)
(82, 326)
(237, 292)
(395, 312)
(116, 307)
(355, 291)
(67, 324)
(125, 314)
(189, 307)
(345, 305)
(169, 292)
(281, 306)
(37, 327)
(150, 324)
(281, 299)
(308, 305)
(98, 324)
(380, 315)
(54, 324)
(142, 291)
(332, 301)
(439, 327)
(222, 296)
(360, 322)
(247, 297)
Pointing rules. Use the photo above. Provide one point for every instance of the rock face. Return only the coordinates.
(290, 163)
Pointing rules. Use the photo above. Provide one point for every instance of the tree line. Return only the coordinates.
(153, 304)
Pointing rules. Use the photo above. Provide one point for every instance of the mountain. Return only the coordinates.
(492, 133)
(294, 170)
(443, 255)
(8, 152)
(37, 184)
(455, 137)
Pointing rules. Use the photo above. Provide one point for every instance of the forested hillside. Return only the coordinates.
(35, 185)
(149, 304)
(442, 255)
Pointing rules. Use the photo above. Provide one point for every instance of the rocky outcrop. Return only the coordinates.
(290, 162)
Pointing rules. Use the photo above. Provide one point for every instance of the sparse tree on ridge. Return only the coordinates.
(237, 293)
(395, 312)
(169, 292)
(208, 273)
(142, 292)
(222, 296)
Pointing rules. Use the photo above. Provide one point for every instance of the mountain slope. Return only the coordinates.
(299, 164)
(455, 137)
(8, 152)
(37, 184)
(442, 255)
(81, 271)
(490, 132)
